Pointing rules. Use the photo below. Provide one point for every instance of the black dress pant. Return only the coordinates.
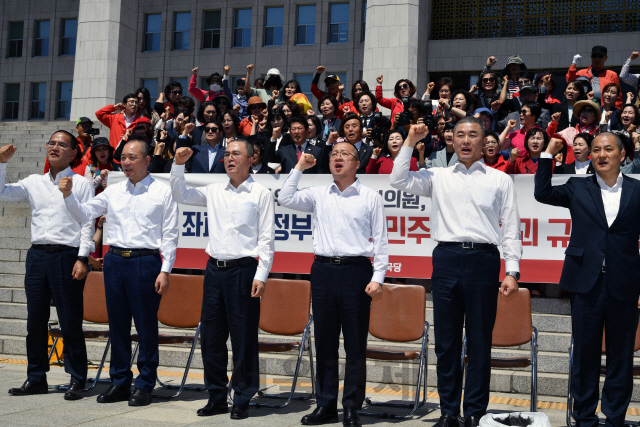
(590, 312)
(229, 310)
(47, 275)
(339, 302)
(465, 291)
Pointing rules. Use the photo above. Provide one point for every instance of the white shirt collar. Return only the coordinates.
(479, 164)
(245, 186)
(353, 187)
(62, 174)
(603, 185)
(145, 182)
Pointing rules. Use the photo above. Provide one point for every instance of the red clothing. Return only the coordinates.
(524, 166)
(319, 94)
(500, 164)
(606, 77)
(393, 104)
(384, 165)
(517, 141)
(199, 94)
(551, 100)
(245, 126)
(115, 123)
(79, 165)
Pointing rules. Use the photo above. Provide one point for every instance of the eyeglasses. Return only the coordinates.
(597, 55)
(588, 111)
(489, 80)
(344, 155)
(52, 144)
(212, 129)
(176, 92)
(132, 101)
(403, 86)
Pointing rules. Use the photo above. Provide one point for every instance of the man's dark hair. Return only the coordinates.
(247, 145)
(535, 109)
(299, 120)
(527, 75)
(215, 122)
(168, 88)
(471, 120)
(188, 103)
(128, 97)
(347, 117)
(73, 142)
(144, 144)
(204, 105)
(616, 137)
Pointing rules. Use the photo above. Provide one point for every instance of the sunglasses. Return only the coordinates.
(403, 86)
(489, 80)
(176, 92)
(212, 129)
(597, 55)
(588, 111)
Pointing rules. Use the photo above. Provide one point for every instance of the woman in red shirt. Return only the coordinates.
(381, 161)
(492, 156)
(535, 142)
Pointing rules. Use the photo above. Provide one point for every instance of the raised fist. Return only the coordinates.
(514, 154)
(491, 61)
(195, 71)
(377, 151)
(554, 147)
(512, 124)
(320, 69)
(634, 55)
(417, 133)
(189, 127)
(249, 69)
(7, 152)
(65, 185)
(576, 58)
(226, 70)
(431, 86)
(555, 117)
(159, 149)
(182, 155)
(379, 79)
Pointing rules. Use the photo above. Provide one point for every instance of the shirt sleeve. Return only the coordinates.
(510, 224)
(292, 198)
(11, 192)
(180, 192)
(85, 192)
(380, 240)
(87, 211)
(627, 77)
(266, 237)
(418, 183)
(169, 241)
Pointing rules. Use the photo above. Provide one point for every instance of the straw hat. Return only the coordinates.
(578, 106)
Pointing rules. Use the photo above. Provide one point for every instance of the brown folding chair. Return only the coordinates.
(180, 307)
(398, 315)
(95, 310)
(285, 309)
(603, 371)
(513, 327)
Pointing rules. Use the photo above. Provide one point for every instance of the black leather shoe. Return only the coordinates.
(74, 392)
(350, 418)
(238, 413)
(320, 416)
(140, 397)
(447, 421)
(115, 393)
(472, 421)
(213, 409)
(29, 388)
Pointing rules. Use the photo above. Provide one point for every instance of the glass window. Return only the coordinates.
(364, 20)
(305, 85)
(64, 100)
(211, 35)
(182, 31)
(15, 39)
(41, 45)
(306, 28)
(339, 23)
(242, 28)
(152, 87)
(38, 97)
(69, 34)
(152, 33)
(11, 101)
(273, 26)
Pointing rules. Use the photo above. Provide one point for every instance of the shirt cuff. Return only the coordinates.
(546, 156)
(178, 169)
(182, 136)
(3, 166)
(295, 173)
(166, 266)
(261, 275)
(70, 201)
(512, 266)
(378, 276)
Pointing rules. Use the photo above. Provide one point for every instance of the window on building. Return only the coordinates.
(152, 87)
(306, 27)
(339, 23)
(305, 85)
(153, 25)
(364, 20)
(15, 39)
(38, 100)
(41, 45)
(242, 28)
(273, 26)
(182, 31)
(69, 34)
(211, 30)
(64, 100)
(11, 101)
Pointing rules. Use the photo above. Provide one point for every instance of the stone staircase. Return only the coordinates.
(550, 316)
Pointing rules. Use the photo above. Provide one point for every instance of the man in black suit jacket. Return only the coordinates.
(289, 155)
(601, 270)
(207, 158)
(352, 130)
(258, 167)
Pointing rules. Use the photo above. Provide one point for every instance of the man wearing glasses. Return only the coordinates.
(241, 215)
(597, 74)
(350, 227)
(206, 158)
(119, 123)
(56, 264)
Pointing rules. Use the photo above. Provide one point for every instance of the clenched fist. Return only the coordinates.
(7, 152)
(65, 185)
(306, 161)
(320, 69)
(554, 147)
(182, 155)
(195, 71)
(555, 117)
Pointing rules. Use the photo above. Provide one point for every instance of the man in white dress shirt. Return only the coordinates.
(143, 223)
(473, 210)
(241, 215)
(56, 264)
(350, 227)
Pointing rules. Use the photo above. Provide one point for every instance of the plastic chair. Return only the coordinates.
(398, 315)
(514, 327)
(95, 310)
(603, 371)
(180, 307)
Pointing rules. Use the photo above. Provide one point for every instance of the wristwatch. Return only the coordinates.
(83, 259)
(514, 274)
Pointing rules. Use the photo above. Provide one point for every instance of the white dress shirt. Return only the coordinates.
(51, 223)
(140, 217)
(344, 222)
(581, 167)
(467, 205)
(241, 220)
(610, 197)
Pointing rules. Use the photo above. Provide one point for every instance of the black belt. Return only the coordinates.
(230, 263)
(470, 245)
(130, 253)
(53, 248)
(342, 260)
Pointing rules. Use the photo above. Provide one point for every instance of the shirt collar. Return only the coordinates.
(245, 186)
(146, 182)
(605, 187)
(353, 187)
(480, 164)
(580, 164)
(62, 174)
(304, 146)
(358, 144)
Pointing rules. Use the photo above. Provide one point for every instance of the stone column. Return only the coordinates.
(396, 44)
(105, 55)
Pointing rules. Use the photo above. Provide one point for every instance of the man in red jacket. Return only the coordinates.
(118, 123)
(597, 74)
